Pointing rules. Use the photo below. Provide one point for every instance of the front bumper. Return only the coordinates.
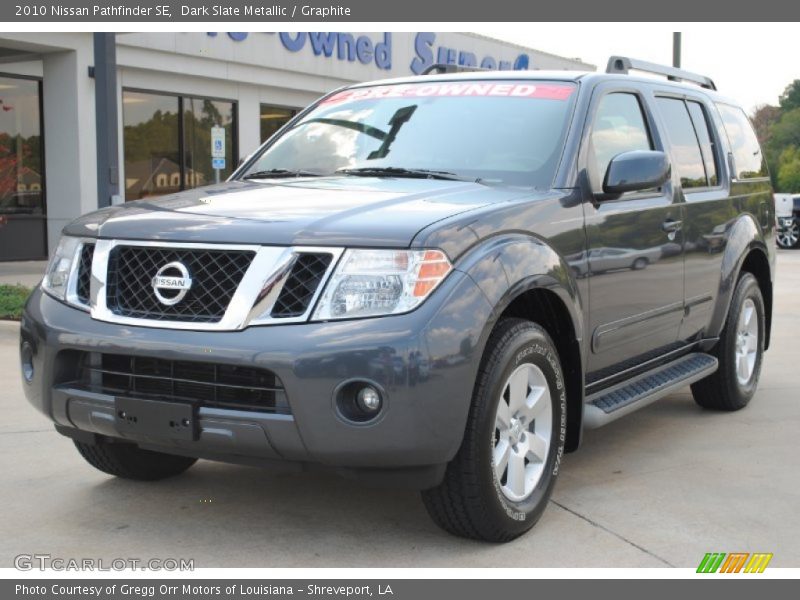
(422, 423)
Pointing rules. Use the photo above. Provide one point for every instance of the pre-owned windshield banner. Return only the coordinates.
(455, 89)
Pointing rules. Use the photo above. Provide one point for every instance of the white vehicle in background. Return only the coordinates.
(787, 214)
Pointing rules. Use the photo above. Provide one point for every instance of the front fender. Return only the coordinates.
(504, 267)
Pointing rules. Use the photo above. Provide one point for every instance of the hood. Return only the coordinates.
(335, 211)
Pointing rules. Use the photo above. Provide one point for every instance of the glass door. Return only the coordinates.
(23, 227)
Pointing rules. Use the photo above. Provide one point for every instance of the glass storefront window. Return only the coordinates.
(151, 144)
(199, 117)
(22, 203)
(273, 118)
(167, 142)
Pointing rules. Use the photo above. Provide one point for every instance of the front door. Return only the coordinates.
(635, 243)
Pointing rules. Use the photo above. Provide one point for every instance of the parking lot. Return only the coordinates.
(659, 488)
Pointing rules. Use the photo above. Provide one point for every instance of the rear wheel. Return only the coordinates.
(739, 351)
(499, 482)
(789, 237)
(131, 462)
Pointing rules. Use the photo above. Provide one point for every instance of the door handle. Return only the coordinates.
(671, 226)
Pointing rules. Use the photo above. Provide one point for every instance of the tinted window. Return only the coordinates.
(619, 126)
(151, 144)
(22, 206)
(273, 118)
(505, 132)
(747, 154)
(200, 116)
(167, 142)
(707, 146)
(685, 147)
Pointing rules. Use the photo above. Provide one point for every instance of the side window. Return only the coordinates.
(701, 127)
(619, 126)
(747, 155)
(690, 141)
(685, 147)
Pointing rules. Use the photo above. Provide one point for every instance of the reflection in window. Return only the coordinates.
(503, 140)
(685, 147)
(199, 117)
(707, 145)
(20, 147)
(618, 127)
(156, 162)
(151, 144)
(272, 119)
(747, 154)
(22, 206)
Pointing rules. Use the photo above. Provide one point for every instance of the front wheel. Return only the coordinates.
(640, 263)
(498, 484)
(128, 461)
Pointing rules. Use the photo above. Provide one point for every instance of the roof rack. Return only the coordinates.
(443, 68)
(623, 64)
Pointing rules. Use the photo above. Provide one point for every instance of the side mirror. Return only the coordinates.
(636, 171)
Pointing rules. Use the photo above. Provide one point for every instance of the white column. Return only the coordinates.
(249, 120)
(70, 140)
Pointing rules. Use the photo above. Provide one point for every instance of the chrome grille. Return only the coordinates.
(301, 285)
(216, 274)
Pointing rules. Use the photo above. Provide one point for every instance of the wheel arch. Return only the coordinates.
(524, 277)
(757, 264)
(745, 251)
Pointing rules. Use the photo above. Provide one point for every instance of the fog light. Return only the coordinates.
(368, 399)
(360, 402)
(26, 358)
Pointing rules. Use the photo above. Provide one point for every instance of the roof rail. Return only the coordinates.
(443, 68)
(623, 64)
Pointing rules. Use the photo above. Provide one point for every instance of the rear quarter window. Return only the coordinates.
(748, 159)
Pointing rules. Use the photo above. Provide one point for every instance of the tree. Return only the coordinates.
(764, 117)
(790, 99)
(783, 134)
(789, 170)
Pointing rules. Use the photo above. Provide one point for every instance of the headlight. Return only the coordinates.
(56, 278)
(367, 283)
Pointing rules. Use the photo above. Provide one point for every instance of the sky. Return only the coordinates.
(750, 63)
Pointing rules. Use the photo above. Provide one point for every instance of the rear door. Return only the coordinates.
(695, 153)
(635, 262)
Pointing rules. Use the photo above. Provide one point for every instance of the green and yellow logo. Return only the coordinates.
(735, 562)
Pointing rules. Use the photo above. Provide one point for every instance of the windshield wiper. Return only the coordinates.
(276, 173)
(402, 172)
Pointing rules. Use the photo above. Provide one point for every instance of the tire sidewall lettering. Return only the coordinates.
(540, 354)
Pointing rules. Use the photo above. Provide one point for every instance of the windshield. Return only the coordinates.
(506, 132)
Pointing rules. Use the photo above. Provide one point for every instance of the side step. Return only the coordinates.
(619, 400)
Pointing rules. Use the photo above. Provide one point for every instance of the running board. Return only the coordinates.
(624, 398)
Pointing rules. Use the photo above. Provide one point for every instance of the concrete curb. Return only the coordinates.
(9, 326)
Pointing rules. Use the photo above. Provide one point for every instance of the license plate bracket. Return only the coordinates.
(155, 418)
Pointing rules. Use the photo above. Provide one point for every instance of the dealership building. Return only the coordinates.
(89, 120)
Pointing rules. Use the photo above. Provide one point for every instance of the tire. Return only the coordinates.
(640, 263)
(789, 237)
(131, 462)
(731, 387)
(472, 501)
